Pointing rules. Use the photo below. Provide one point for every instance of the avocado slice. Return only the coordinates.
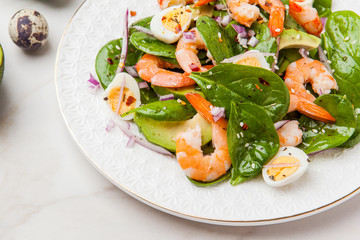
(291, 38)
(163, 133)
(178, 92)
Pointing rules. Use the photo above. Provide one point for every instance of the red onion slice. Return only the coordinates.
(131, 142)
(279, 124)
(144, 30)
(324, 60)
(125, 44)
(323, 21)
(217, 113)
(143, 85)
(110, 125)
(93, 81)
(251, 33)
(303, 53)
(143, 142)
(131, 71)
(240, 30)
(166, 97)
(226, 20)
(243, 42)
(218, 20)
(189, 35)
(94, 85)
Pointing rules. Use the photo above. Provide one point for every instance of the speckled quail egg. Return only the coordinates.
(288, 165)
(131, 94)
(28, 29)
(169, 24)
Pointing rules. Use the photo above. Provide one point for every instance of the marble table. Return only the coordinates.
(49, 190)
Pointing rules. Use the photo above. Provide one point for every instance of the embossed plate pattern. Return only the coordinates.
(158, 181)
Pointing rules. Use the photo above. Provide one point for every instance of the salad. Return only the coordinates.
(235, 89)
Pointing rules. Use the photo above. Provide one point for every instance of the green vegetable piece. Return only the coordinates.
(220, 13)
(206, 184)
(204, 10)
(319, 136)
(291, 38)
(107, 60)
(286, 57)
(323, 7)
(147, 95)
(152, 45)
(170, 110)
(341, 41)
(215, 38)
(232, 36)
(163, 133)
(252, 140)
(267, 44)
(178, 92)
(231, 82)
(145, 22)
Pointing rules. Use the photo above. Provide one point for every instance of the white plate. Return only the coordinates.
(158, 181)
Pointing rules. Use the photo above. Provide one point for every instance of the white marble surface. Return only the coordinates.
(49, 190)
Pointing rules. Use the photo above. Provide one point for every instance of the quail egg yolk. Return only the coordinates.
(250, 61)
(128, 101)
(175, 19)
(279, 173)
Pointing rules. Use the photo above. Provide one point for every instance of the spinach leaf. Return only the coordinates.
(323, 7)
(231, 82)
(145, 22)
(215, 38)
(267, 43)
(152, 45)
(320, 136)
(232, 36)
(341, 41)
(147, 95)
(170, 110)
(107, 60)
(252, 140)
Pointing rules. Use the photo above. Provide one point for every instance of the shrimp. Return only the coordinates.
(290, 134)
(168, 3)
(245, 12)
(152, 69)
(307, 16)
(304, 71)
(186, 51)
(188, 146)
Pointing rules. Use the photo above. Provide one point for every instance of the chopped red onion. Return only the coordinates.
(166, 97)
(121, 95)
(324, 60)
(144, 30)
(219, 7)
(243, 42)
(143, 85)
(131, 71)
(279, 124)
(194, 67)
(240, 30)
(218, 20)
(217, 113)
(189, 37)
(125, 44)
(93, 81)
(253, 41)
(251, 33)
(226, 20)
(303, 53)
(110, 125)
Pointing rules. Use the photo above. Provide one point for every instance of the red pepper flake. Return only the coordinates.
(178, 28)
(194, 67)
(163, 18)
(264, 82)
(257, 86)
(110, 61)
(130, 100)
(188, 10)
(133, 13)
(245, 127)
